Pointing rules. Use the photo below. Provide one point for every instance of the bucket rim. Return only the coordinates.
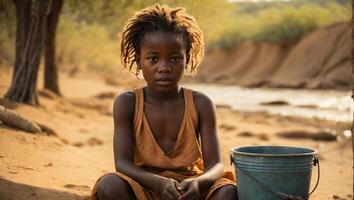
(235, 151)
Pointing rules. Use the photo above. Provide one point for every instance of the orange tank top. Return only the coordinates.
(184, 159)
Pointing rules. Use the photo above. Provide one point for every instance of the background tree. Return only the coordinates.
(31, 18)
(353, 84)
(50, 67)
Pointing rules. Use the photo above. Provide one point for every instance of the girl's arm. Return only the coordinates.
(210, 147)
(123, 141)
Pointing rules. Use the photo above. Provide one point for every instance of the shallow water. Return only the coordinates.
(324, 104)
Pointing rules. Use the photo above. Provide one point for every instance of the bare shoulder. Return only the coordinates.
(124, 103)
(202, 101)
(206, 115)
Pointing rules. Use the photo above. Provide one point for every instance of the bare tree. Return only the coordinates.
(353, 84)
(50, 70)
(31, 25)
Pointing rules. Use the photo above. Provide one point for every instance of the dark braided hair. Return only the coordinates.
(164, 18)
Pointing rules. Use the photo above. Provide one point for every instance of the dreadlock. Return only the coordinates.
(167, 19)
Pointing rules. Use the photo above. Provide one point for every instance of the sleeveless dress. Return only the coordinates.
(183, 161)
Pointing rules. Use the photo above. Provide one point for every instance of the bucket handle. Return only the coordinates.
(281, 195)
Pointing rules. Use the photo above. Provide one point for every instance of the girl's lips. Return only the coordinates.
(164, 81)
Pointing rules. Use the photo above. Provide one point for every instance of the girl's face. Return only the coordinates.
(162, 59)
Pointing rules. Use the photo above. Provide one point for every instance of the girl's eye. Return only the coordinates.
(152, 59)
(176, 58)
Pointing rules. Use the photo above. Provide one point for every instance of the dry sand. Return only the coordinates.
(37, 166)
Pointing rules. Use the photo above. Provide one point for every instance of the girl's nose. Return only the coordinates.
(164, 66)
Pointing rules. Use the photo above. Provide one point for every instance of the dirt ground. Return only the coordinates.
(65, 166)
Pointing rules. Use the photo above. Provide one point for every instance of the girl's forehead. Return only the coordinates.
(161, 39)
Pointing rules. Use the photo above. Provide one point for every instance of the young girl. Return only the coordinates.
(165, 141)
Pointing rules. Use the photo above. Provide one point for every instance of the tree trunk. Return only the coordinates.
(353, 88)
(31, 22)
(50, 70)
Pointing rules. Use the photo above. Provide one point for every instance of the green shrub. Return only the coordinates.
(281, 23)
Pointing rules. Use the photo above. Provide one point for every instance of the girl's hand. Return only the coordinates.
(169, 189)
(190, 188)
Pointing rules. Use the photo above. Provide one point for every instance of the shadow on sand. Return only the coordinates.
(17, 191)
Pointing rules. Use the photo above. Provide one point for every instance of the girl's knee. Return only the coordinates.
(111, 187)
(225, 192)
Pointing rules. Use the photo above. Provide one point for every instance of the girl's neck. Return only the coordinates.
(155, 96)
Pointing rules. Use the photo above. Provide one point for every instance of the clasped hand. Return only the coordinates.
(188, 189)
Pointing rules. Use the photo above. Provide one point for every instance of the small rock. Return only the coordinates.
(223, 106)
(78, 144)
(106, 95)
(48, 165)
(275, 103)
(246, 134)
(227, 127)
(94, 141)
(263, 137)
(300, 134)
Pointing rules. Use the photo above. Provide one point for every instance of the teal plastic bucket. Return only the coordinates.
(273, 172)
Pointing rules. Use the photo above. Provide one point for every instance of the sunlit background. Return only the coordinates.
(278, 71)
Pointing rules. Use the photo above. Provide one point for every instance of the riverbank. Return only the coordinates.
(321, 59)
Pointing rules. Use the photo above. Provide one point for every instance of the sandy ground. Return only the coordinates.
(37, 166)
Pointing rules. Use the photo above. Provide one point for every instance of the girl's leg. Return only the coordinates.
(227, 192)
(112, 187)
